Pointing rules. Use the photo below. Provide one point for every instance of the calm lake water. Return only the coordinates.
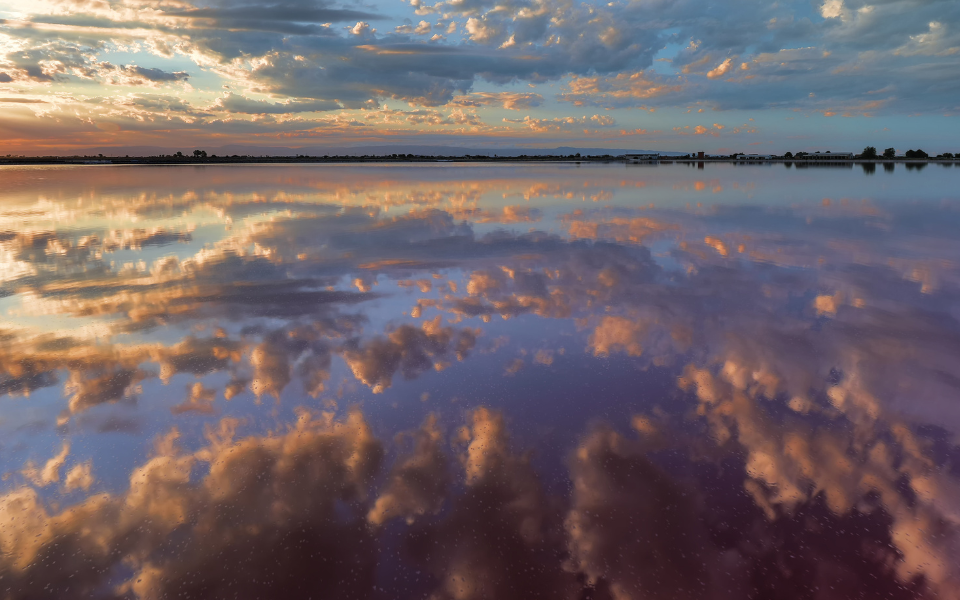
(480, 381)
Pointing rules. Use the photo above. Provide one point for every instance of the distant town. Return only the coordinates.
(869, 154)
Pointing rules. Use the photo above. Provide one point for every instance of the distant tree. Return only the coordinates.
(199, 153)
(918, 153)
(179, 154)
(946, 155)
(788, 155)
(869, 152)
(889, 153)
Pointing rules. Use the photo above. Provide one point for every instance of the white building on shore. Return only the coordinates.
(827, 156)
(642, 157)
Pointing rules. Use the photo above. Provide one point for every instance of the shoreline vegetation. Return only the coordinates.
(802, 161)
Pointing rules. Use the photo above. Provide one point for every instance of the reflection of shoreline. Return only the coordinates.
(824, 163)
(347, 159)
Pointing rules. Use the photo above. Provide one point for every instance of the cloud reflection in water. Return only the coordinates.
(411, 447)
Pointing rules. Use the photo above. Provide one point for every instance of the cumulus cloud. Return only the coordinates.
(508, 214)
(563, 123)
(50, 472)
(294, 54)
(276, 495)
(422, 28)
(940, 40)
(789, 465)
(619, 228)
(409, 350)
(158, 75)
(634, 528)
(136, 76)
(702, 130)
(507, 100)
(79, 477)
(91, 387)
(621, 90)
(831, 9)
(721, 69)
(500, 538)
(572, 279)
(200, 400)
(235, 103)
(617, 334)
(418, 481)
(290, 508)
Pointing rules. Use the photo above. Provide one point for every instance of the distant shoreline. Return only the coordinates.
(229, 160)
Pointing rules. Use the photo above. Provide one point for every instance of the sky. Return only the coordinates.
(672, 75)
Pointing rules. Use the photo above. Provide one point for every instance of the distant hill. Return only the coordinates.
(241, 150)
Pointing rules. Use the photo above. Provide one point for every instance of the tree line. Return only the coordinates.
(871, 152)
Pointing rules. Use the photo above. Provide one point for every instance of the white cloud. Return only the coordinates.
(831, 9)
(721, 69)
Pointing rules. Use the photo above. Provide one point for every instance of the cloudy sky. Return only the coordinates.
(686, 75)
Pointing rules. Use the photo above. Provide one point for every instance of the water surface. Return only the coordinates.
(480, 381)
